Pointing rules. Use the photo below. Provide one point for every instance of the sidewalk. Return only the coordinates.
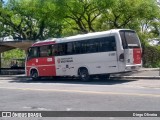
(143, 73)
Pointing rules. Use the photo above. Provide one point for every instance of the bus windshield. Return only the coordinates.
(129, 39)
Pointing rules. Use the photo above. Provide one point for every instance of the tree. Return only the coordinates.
(129, 14)
(39, 19)
(32, 20)
(93, 15)
(84, 13)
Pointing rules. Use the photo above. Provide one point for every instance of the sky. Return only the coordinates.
(5, 1)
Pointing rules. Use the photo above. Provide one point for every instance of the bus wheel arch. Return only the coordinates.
(83, 74)
(34, 74)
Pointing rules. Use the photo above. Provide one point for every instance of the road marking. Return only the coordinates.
(82, 91)
(38, 108)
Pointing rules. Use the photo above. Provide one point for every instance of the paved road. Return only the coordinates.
(21, 94)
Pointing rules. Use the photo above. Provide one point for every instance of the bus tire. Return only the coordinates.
(34, 74)
(83, 74)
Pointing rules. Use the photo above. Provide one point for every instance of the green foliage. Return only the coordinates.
(128, 14)
(9, 58)
(14, 54)
(151, 56)
(42, 19)
(82, 14)
(31, 20)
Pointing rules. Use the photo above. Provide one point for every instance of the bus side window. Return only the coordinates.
(55, 50)
(43, 51)
(96, 45)
(103, 45)
(91, 46)
(84, 46)
(107, 44)
(69, 48)
(49, 50)
(61, 49)
(113, 45)
(76, 47)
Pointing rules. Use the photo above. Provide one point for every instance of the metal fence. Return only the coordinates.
(12, 63)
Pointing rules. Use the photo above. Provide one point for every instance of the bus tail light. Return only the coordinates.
(121, 57)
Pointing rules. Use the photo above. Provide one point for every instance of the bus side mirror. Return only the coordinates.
(121, 57)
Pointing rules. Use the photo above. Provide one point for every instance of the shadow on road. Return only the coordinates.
(94, 81)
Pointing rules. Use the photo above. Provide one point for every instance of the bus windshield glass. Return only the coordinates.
(129, 39)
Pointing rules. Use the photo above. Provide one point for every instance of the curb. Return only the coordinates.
(139, 77)
(149, 69)
(18, 76)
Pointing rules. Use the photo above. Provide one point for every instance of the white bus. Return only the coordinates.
(99, 53)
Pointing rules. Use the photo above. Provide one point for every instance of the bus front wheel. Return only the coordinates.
(34, 74)
(84, 75)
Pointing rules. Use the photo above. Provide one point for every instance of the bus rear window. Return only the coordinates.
(129, 39)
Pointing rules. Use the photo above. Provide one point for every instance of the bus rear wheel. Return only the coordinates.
(34, 75)
(84, 75)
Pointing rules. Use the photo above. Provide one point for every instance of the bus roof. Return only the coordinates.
(79, 37)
